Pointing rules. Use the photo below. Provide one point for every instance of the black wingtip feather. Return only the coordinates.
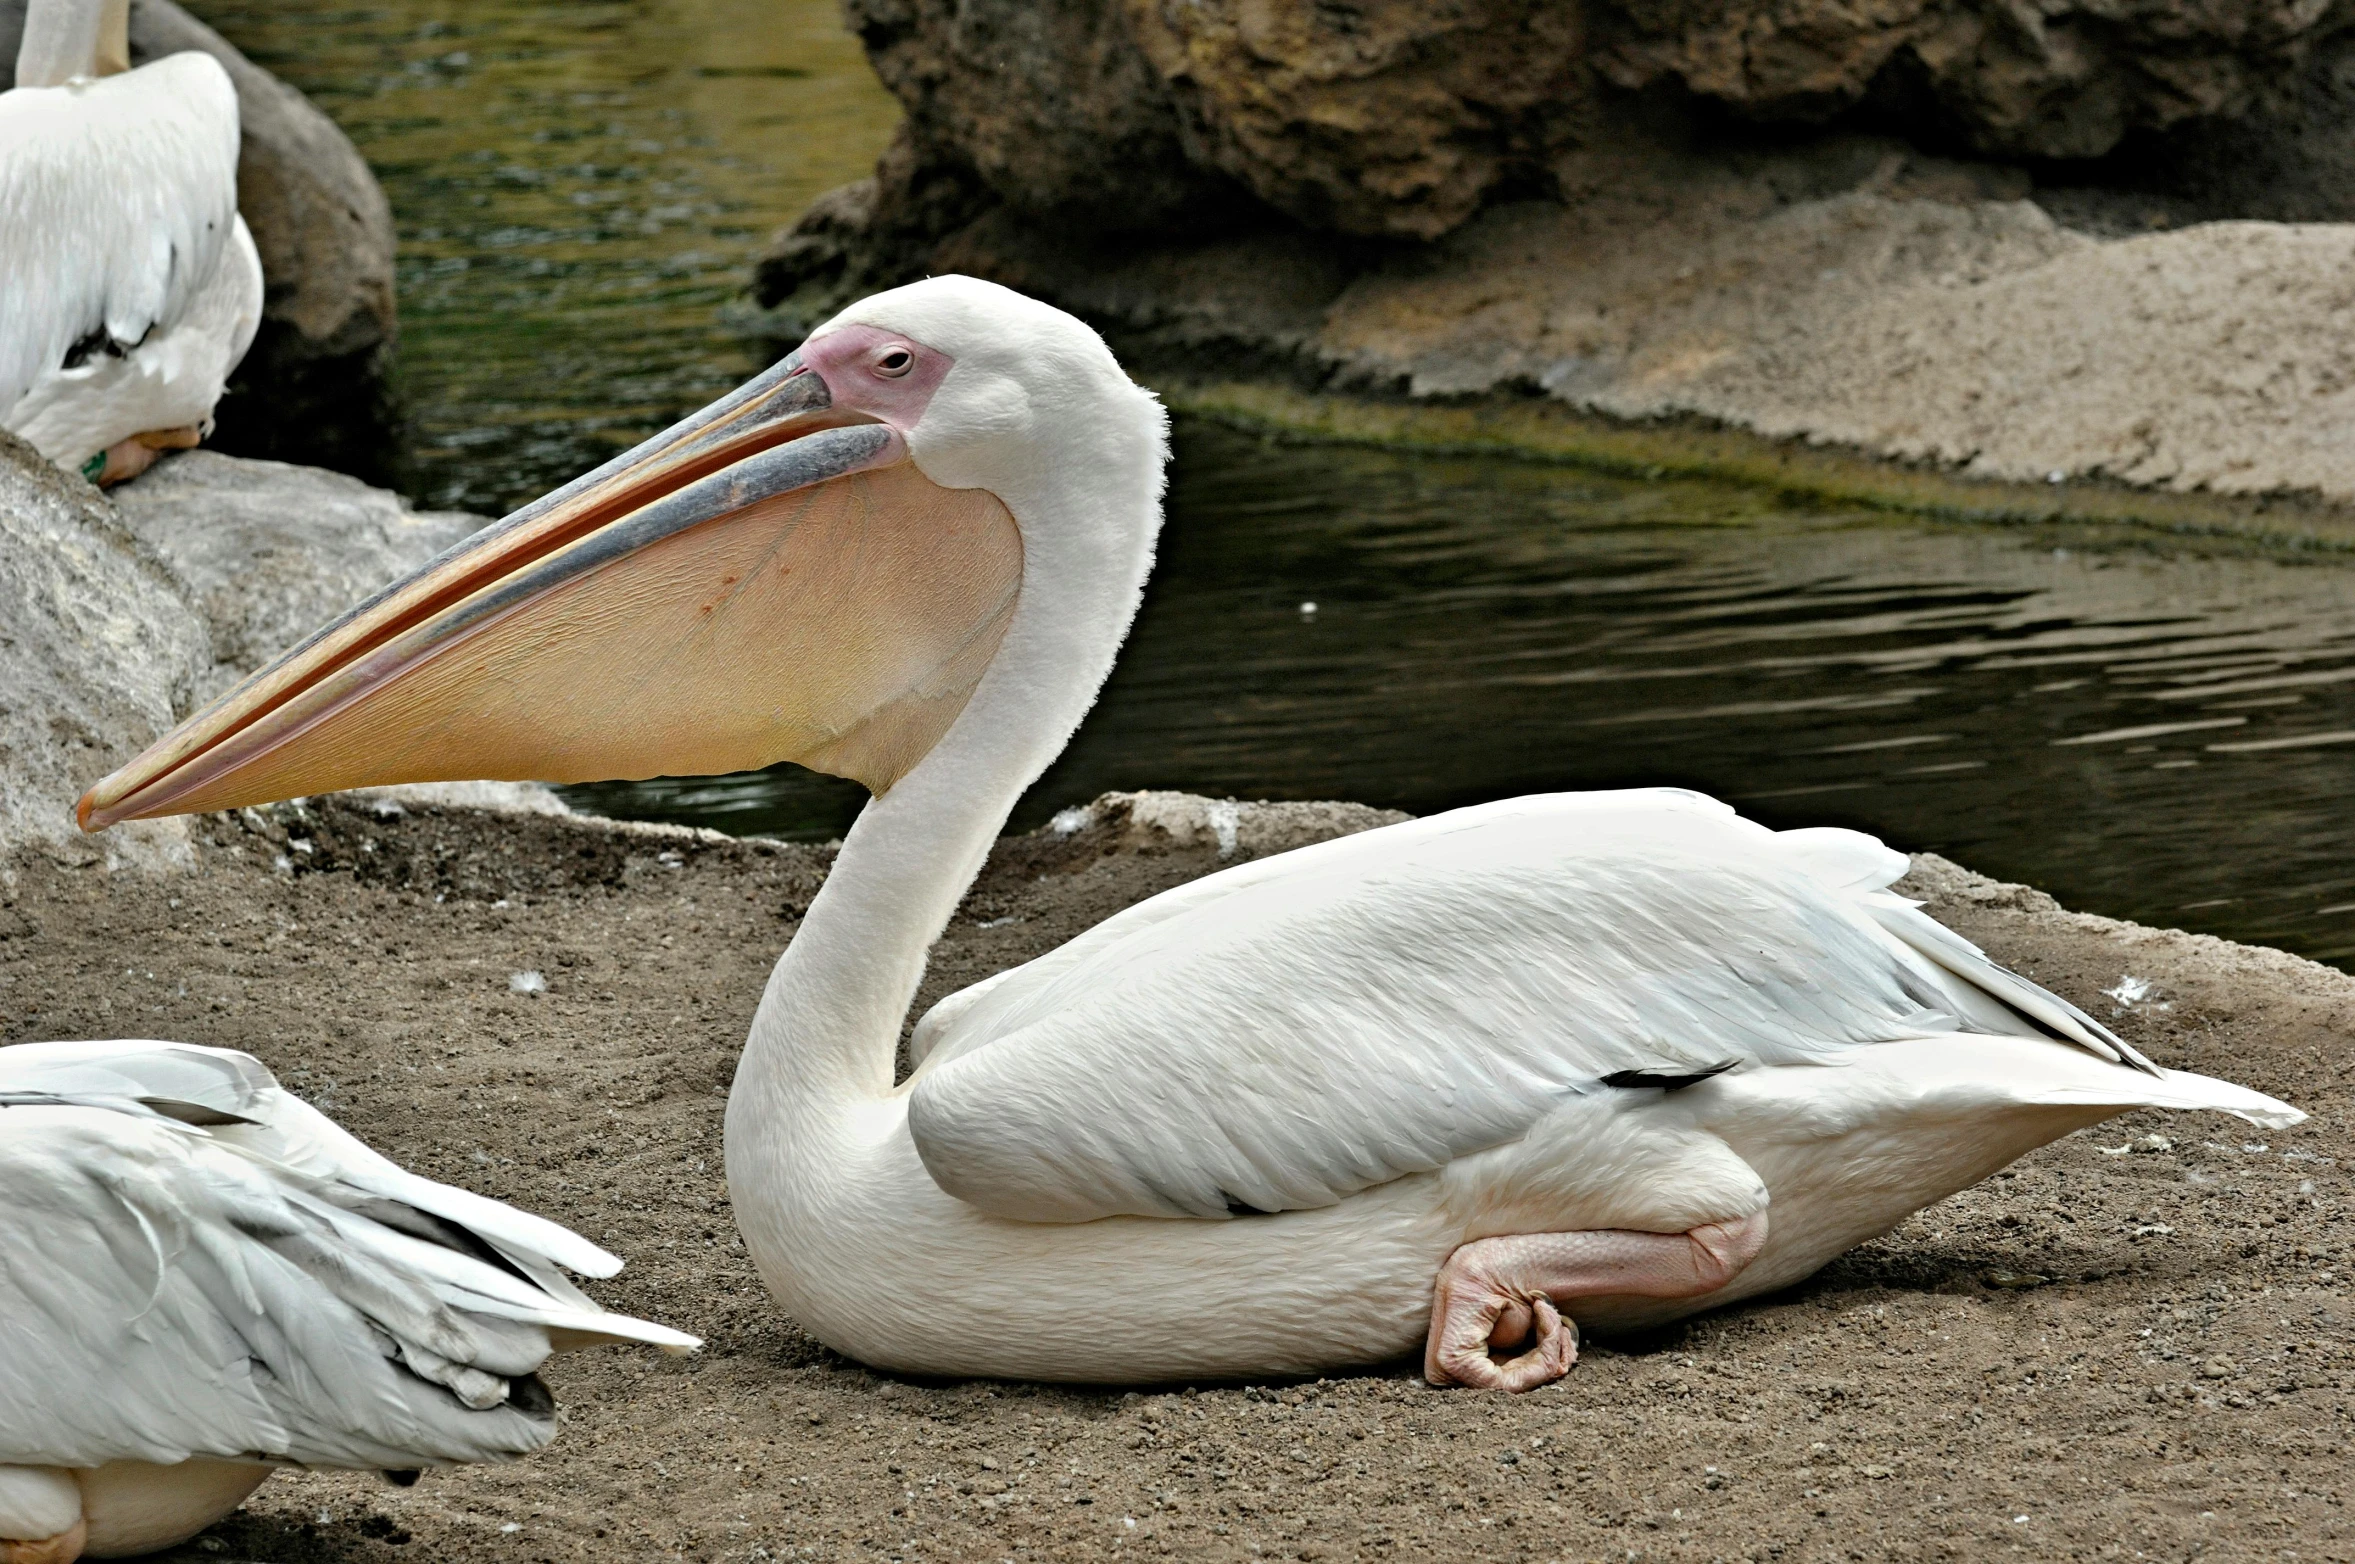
(1667, 1080)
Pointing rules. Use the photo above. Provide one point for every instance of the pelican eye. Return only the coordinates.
(894, 362)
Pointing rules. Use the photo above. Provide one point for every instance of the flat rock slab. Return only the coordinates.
(2101, 1351)
(1856, 295)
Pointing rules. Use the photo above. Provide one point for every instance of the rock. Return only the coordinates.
(267, 552)
(1401, 119)
(118, 619)
(1051, 105)
(312, 387)
(1833, 288)
(101, 656)
(1387, 117)
(1162, 822)
(2062, 79)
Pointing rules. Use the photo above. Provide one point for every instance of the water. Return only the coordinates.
(580, 188)
(2152, 732)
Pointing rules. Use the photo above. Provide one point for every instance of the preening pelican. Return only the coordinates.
(202, 1277)
(1466, 1081)
(132, 287)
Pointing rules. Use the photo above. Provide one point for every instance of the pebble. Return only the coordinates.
(2015, 1279)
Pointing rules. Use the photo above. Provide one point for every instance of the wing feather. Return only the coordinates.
(1285, 1033)
(198, 1263)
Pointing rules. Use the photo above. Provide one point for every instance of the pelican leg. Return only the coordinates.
(40, 1516)
(1501, 1292)
(126, 459)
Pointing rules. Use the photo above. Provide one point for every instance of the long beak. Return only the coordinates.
(770, 579)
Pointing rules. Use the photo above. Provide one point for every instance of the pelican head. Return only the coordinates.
(820, 567)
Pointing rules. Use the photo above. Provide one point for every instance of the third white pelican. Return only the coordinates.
(131, 286)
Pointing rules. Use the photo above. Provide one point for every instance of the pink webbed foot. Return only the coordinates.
(1499, 1293)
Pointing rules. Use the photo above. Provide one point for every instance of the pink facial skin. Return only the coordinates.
(881, 373)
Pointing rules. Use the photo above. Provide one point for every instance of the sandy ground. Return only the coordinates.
(2099, 1354)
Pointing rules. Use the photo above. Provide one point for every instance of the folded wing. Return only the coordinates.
(1285, 1033)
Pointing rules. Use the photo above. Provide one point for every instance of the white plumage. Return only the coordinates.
(197, 1265)
(132, 285)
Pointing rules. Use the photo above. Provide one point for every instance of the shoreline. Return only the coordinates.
(1541, 430)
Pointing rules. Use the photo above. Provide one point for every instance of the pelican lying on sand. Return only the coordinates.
(133, 287)
(202, 1277)
(1619, 1055)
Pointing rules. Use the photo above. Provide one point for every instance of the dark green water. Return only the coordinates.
(2162, 735)
(580, 188)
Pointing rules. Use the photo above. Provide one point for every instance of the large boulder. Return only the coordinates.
(102, 654)
(1392, 117)
(312, 388)
(2059, 79)
(1051, 104)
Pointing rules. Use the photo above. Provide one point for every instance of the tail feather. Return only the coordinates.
(1864, 869)
(1941, 946)
(2177, 1089)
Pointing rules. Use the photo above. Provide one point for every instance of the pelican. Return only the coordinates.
(1468, 1082)
(133, 286)
(202, 1278)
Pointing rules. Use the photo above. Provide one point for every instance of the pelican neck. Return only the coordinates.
(828, 1024)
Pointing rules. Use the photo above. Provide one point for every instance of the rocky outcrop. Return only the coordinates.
(268, 552)
(1392, 117)
(1505, 197)
(312, 387)
(1049, 105)
(101, 656)
(2061, 79)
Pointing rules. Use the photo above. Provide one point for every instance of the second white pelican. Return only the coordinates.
(132, 288)
(1614, 1056)
(203, 1278)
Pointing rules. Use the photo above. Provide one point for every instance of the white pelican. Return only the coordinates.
(203, 1277)
(1618, 1056)
(133, 287)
